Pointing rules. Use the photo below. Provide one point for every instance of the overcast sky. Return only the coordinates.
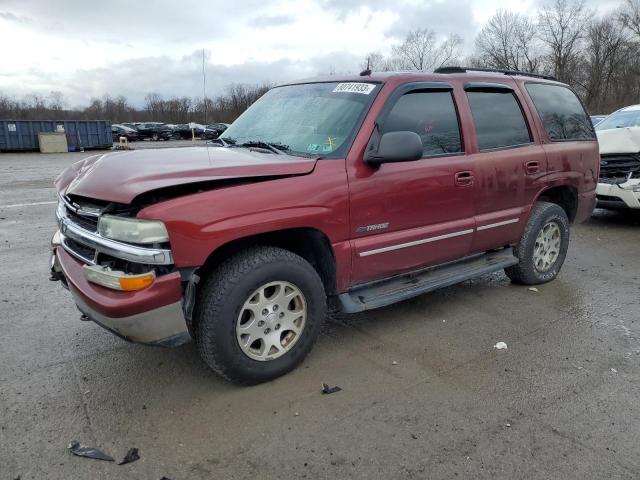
(132, 47)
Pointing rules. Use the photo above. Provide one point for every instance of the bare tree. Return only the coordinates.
(56, 101)
(508, 41)
(562, 27)
(422, 51)
(608, 46)
(630, 16)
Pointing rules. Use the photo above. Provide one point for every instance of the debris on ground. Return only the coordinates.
(613, 370)
(88, 452)
(131, 456)
(533, 289)
(395, 363)
(327, 389)
(500, 346)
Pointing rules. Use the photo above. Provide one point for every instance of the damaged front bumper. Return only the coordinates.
(622, 195)
(151, 316)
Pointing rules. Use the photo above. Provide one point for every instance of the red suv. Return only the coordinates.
(352, 193)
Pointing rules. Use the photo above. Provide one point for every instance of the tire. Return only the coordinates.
(222, 304)
(528, 271)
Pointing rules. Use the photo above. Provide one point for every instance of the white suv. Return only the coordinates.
(619, 139)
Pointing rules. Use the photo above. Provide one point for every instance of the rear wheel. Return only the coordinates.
(543, 246)
(259, 314)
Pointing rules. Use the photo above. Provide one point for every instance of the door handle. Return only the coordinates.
(464, 179)
(532, 167)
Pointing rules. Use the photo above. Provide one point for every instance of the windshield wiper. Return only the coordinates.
(220, 141)
(277, 148)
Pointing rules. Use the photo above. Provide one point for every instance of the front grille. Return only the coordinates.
(81, 252)
(82, 214)
(618, 168)
(83, 221)
(609, 198)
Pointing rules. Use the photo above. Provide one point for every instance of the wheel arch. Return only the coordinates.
(309, 243)
(565, 196)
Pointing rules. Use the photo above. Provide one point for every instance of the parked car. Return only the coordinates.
(131, 125)
(154, 131)
(118, 131)
(619, 139)
(595, 119)
(187, 131)
(365, 191)
(214, 130)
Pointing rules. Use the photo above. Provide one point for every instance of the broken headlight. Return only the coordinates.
(132, 230)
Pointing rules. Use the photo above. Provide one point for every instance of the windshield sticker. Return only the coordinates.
(314, 147)
(329, 145)
(355, 87)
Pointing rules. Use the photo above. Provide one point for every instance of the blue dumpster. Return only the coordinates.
(22, 135)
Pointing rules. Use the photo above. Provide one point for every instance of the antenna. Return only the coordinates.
(366, 72)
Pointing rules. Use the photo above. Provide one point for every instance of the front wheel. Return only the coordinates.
(543, 246)
(259, 314)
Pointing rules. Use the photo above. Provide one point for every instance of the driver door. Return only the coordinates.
(414, 214)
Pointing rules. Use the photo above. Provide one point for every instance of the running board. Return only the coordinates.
(386, 292)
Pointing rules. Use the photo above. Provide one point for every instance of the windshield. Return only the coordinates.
(630, 118)
(309, 119)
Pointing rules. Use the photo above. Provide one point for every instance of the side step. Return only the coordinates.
(386, 292)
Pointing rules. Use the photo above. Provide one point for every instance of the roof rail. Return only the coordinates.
(494, 70)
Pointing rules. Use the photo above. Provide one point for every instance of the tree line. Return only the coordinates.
(224, 108)
(598, 55)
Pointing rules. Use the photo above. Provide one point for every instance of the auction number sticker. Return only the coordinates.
(355, 87)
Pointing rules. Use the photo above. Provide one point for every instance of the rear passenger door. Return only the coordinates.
(509, 163)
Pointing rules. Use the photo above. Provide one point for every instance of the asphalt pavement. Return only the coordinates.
(425, 395)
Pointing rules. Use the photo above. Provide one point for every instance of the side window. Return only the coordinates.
(498, 119)
(432, 115)
(561, 112)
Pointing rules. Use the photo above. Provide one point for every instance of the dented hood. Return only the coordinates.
(619, 140)
(122, 176)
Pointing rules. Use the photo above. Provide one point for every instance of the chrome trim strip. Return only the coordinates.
(153, 256)
(79, 210)
(415, 242)
(73, 253)
(67, 203)
(498, 224)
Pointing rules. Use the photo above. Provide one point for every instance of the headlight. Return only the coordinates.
(132, 230)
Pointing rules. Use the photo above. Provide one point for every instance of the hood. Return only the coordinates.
(619, 140)
(122, 176)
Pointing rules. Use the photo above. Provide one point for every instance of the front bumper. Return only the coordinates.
(619, 195)
(152, 316)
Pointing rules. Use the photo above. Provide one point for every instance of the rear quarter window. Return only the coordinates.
(562, 113)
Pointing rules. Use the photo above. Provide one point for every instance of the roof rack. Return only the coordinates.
(494, 70)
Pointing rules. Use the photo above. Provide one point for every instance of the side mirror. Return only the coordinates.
(396, 147)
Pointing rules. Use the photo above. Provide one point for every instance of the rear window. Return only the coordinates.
(561, 112)
(498, 119)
